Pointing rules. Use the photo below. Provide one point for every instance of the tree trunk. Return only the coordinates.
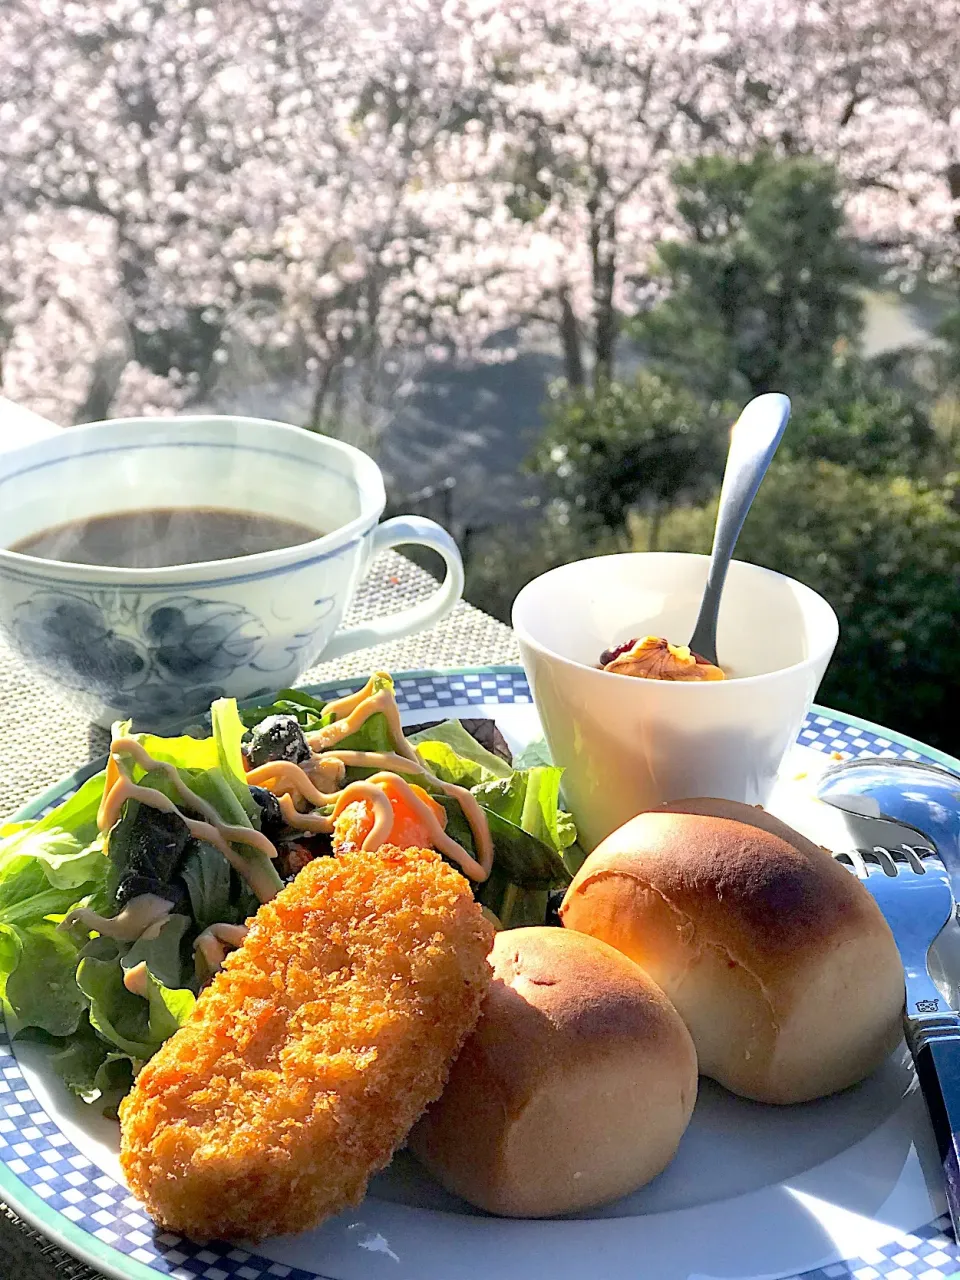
(603, 264)
(105, 375)
(656, 519)
(953, 185)
(570, 338)
(321, 391)
(606, 321)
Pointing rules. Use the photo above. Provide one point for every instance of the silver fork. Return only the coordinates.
(912, 889)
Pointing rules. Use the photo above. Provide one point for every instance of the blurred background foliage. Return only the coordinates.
(534, 257)
(862, 501)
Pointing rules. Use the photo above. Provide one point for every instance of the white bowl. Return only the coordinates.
(629, 744)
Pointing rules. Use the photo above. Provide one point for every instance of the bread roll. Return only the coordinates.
(777, 958)
(575, 1087)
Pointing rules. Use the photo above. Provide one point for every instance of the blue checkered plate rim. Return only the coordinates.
(68, 1197)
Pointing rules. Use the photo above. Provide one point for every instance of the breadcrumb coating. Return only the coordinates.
(312, 1053)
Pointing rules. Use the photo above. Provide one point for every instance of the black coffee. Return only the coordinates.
(173, 535)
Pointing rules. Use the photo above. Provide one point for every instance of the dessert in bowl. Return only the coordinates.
(630, 744)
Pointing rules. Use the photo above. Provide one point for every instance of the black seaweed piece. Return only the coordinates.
(133, 885)
(481, 730)
(320, 846)
(555, 899)
(147, 845)
(275, 738)
(272, 822)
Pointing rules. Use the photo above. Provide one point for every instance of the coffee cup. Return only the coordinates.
(160, 643)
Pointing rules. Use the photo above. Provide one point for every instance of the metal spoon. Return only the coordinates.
(753, 442)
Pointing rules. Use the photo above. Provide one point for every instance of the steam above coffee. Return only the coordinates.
(165, 536)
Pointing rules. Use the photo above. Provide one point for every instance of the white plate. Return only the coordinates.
(846, 1187)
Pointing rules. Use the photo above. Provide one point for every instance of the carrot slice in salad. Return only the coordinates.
(409, 830)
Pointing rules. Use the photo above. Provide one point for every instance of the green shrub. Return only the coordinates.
(628, 445)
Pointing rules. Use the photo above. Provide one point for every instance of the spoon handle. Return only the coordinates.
(753, 442)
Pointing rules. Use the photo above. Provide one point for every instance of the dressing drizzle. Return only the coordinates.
(356, 709)
(295, 786)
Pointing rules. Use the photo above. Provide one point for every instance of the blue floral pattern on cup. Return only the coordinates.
(180, 649)
(200, 640)
(157, 659)
(70, 634)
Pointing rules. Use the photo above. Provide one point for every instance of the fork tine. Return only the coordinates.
(914, 855)
(857, 864)
(887, 864)
(917, 900)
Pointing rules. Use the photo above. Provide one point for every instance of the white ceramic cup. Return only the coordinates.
(160, 644)
(629, 744)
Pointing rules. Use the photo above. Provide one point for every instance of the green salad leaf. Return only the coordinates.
(46, 867)
(228, 731)
(184, 752)
(163, 955)
(374, 734)
(533, 754)
(13, 828)
(80, 1058)
(206, 873)
(133, 1025)
(65, 842)
(531, 799)
(211, 785)
(527, 861)
(41, 989)
(455, 755)
(288, 702)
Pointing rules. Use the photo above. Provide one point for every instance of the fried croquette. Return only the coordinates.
(314, 1050)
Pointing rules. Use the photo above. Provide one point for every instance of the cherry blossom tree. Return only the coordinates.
(874, 87)
(561, 174)
(337, 190)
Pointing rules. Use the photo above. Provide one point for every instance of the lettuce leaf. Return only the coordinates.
(27, 896)
(520, 858)
(450, 747)
(228, 731)
(533, 754)
(63, 841)
(373, 735)
(527, 862)
(14, 828)
(91, 1069)
(184, 752)
(198, 759)
(206, 873)
(530, 798)
(79, 1059)
(212, 786)
(46, 867)
(133, 1025)
(445, 764)
(163, 954)
(289, 702)
(40, 985)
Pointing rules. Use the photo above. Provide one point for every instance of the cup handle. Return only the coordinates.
(19, 426)
(405, 531)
